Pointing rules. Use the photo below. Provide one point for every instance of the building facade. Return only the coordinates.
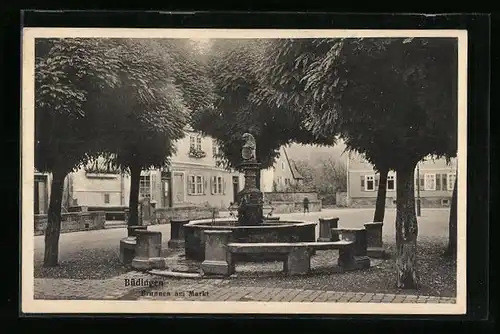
(282, 175)
(193, 177)
(434, 182)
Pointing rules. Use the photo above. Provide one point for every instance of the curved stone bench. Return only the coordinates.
(127, 250)
(296, 257)
(177, 233)
(359, 237)
(148, 251)
(325, 229)
(374, 240)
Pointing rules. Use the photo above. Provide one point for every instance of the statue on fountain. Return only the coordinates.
(250, 199)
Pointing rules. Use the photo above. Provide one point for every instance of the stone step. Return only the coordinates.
(114, 224)
(170, 273)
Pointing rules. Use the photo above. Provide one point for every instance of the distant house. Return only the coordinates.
(282, 175)
(434, 182)
(193, 177)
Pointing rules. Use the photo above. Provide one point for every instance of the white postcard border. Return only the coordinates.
(30, 305)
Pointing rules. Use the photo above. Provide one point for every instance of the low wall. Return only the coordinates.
(391, 202)
(163, 215)
(112, 212)
(277, 196)
(341, 199)
(73, 222)
(291, 207)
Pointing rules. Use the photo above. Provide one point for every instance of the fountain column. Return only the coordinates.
(250, 199)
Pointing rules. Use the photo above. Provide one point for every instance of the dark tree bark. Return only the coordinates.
(135, 177)
(406, 229)
(53, 229)
(381, 195)
(452, 224)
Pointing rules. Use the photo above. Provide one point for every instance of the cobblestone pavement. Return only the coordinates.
(205, 290)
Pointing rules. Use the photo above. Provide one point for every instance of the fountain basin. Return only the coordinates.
(276, 231)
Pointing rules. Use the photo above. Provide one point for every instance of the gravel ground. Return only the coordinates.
(96, 263)
(94, 255)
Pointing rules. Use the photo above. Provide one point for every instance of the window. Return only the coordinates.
(369, 182)
(217, 185)
(282, 165)
(390, 182)
(287, 181)
(430, 182)
(196, 185)
(451, 181)
(106, 198)
(438, 182)
(145, 187)
(195, 142)
(199, 184)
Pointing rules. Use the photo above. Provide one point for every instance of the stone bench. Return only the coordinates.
(127, 250)
(359, 237)
(177, 239)
(375, 247)
(148, 251)
(325, 229)
(296, 256)
(127, 244)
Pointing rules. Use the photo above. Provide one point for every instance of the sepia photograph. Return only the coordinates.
(244, 171)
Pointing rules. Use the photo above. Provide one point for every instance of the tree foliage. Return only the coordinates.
(126, 99)
(325, 176)
(392, 100)
(233, 70)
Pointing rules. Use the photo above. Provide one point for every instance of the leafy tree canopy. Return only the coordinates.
(232, 67)
(390, 99)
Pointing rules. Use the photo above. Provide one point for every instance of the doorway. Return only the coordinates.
(178, 187)
(166, 188)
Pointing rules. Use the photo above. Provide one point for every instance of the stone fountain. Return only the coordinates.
(249, 226)
(250, 199)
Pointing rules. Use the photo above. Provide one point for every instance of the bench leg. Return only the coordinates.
(298, 262)
(347, 260)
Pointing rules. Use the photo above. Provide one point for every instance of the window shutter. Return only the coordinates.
(204, 185)
(223, 186)
(362, 183)
(377, 178)
(190, 184)
(438, 181)
(212, 182)
(152, 186)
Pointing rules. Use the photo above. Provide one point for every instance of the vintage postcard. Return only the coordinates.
(244, 171)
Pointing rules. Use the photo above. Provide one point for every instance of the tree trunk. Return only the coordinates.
(406, 229)
(381, 195)
(452, 225)
(53, 229)
(135, 178)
